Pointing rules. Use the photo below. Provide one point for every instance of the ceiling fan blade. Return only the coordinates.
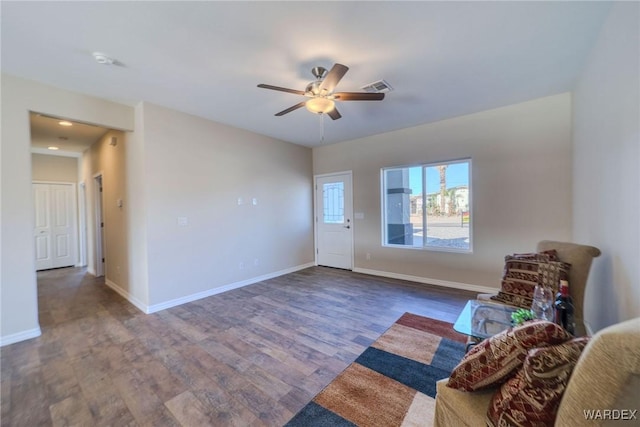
(290, 109)
(281, 89)
(334, 114)
(336, 73)
(358, 96)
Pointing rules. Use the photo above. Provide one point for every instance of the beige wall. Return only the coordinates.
(135, 169)
(109, 161)
(168, 165)
(606, 157)
(197, 169)
(19, 309)
(521, 183)
(54, 168)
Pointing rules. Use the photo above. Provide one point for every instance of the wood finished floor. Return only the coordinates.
(249, 357)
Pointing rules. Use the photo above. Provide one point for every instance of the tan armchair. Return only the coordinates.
(580, 257)
(613, 349)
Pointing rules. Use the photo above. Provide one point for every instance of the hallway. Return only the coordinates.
(68, 294)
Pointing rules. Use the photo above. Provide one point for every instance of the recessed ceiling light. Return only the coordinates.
(65, 123)
(53, 148)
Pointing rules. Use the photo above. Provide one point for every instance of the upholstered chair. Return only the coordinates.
(580, 257)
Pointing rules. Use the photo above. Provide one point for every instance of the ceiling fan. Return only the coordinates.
(321, 92)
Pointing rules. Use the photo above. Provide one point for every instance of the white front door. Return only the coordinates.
(334, 221)
(55, 225)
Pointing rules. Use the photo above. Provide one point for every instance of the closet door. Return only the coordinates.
(42, 232)
(55, 225)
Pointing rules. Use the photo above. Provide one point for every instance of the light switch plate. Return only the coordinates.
(183, 221)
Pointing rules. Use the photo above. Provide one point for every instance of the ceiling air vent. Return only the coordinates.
(380, 86)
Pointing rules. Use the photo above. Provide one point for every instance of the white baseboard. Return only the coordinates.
(209, 292)
(426, 280)
(20, 336)
(148, 309)
(126, 295)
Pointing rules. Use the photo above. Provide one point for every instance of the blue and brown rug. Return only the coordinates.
(393, 382)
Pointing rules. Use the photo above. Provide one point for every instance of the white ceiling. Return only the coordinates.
(443, 59)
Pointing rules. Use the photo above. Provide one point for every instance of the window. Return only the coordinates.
(333, 198)
(428, 206)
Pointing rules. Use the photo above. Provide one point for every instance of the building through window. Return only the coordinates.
(428, 206)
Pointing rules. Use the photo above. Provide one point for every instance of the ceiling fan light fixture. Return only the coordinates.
(320, 105)
(321, 93)
(313, 88)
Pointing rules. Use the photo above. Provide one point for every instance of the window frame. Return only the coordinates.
(423, 166)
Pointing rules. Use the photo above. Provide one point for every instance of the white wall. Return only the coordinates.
(197, 169)
(168, 165)
(135, 170)
(19, 306)
(521, 184)
(110, 161)
(54, 168)
(606, 173)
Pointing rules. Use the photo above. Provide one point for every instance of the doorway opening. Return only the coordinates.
(99, 223)
(63, 152)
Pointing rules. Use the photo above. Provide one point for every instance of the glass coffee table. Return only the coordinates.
(482, 319)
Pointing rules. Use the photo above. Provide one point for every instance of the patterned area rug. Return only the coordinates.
(393, 382)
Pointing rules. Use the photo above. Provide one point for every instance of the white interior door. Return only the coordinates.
(63, 225)
(334, 221)
(42, 229)
(55, 225)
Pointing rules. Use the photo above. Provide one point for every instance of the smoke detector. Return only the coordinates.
(380, 86)
(101, 58)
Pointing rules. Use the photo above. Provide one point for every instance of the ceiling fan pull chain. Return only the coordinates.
(321, 128)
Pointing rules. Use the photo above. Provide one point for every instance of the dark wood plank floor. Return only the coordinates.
(252, 356)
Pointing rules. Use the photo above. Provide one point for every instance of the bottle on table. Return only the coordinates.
(564, 308)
